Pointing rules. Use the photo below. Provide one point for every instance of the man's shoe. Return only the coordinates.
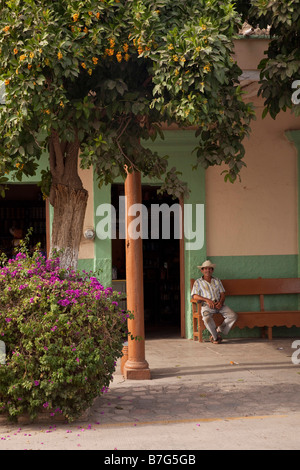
(215, 341)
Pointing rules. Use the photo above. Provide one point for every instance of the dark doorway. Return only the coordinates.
(161, 264)
(22, 208)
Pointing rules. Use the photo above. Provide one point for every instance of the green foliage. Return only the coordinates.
(63, 334)
(195, 79)
(108, 73)
(280, 68)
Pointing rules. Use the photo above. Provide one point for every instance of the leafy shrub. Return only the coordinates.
(63, 333)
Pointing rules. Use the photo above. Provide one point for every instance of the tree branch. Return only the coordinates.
(58, 163)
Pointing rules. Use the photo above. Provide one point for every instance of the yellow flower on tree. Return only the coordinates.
(59, 55)
(95, 60)
(119, 56)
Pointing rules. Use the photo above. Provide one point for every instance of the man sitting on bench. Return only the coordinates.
(210, 291)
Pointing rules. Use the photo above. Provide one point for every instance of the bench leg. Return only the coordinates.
(198, 328)
(201, 329)
(270, 333)
(195, 330)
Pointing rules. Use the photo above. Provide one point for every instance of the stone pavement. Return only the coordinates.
(240, 394)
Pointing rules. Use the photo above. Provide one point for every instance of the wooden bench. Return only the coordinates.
(261, 318)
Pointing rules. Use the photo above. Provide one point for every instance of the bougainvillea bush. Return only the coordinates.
(63, 333)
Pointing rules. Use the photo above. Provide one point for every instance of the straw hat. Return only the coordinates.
(207, 264)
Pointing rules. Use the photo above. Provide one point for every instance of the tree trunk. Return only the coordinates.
(68, 198)
(69, 211)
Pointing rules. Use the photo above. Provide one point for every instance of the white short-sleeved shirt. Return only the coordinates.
(209, 290)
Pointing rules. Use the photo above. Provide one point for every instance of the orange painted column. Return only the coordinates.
(136, 367)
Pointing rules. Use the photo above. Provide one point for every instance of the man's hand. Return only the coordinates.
(210, 303)
(218, 305)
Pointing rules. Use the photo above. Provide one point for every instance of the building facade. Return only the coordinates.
(249, 228)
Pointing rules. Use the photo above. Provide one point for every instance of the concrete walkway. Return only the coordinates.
(240, 394)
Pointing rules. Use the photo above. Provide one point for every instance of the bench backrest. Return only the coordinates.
(260, 286)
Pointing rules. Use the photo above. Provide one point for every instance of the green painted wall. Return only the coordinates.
(294, 137)
(102, 261)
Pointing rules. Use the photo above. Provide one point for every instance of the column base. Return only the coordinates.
(136, 370)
